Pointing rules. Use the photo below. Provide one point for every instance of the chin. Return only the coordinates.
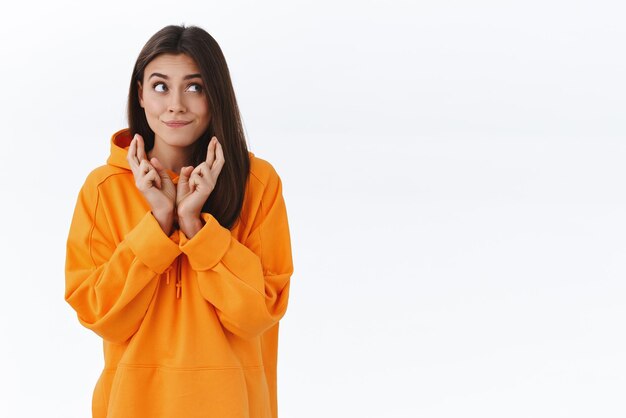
(177, 136)
(178, 139)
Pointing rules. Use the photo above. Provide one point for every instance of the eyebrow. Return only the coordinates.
(187, 77)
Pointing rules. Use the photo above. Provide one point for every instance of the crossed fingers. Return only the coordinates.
(144, 172)
(209, 169)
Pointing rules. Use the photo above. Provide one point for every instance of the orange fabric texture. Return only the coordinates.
(189, 326)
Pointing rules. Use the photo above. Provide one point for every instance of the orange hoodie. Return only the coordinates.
(189, 326)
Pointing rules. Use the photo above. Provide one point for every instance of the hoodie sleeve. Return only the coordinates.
(247, 283)
(110, 285)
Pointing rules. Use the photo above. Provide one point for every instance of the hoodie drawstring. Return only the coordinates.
(179, 281)
(177, 273)
(167, 274)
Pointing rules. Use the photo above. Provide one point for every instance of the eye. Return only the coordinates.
(156, 88)
(195, 87)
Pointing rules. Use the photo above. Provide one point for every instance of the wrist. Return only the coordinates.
(165, 220)
(190, 225)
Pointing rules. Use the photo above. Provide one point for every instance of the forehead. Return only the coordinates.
(172, 65)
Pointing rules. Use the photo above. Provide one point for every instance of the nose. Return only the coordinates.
(176, 104)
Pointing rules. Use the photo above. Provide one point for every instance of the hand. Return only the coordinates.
(153, 182)
(195, 185)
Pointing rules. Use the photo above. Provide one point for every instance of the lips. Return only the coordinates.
(177, 123)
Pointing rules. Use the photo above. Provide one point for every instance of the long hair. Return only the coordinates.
(226, 199)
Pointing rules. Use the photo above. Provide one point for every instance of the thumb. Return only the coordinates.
(185, 172)
(157, 164)
(183, 179)
(159, 167)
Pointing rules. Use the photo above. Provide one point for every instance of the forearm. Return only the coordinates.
(249, 292)
(110, 285)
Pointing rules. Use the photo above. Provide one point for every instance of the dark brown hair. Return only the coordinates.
(226, 200)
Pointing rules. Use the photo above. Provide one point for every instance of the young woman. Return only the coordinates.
(179, 252)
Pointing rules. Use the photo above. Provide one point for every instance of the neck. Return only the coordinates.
(172, 158)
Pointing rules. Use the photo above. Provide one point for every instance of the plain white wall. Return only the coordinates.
(453, 173)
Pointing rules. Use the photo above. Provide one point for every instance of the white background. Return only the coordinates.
(454, 178)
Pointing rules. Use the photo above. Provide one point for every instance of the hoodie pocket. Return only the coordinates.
(163, 392)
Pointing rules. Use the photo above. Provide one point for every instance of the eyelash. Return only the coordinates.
(199, 86)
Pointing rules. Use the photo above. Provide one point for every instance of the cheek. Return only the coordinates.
(203, 109)
(152, 105)
(200, 106)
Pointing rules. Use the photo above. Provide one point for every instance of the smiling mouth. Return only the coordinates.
(177, 123)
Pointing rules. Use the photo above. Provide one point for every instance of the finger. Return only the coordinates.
(194, 181)
(147, 170)
(157, 179)
(141, 148)
(131, 155)
(198, 171)
(210, 151)
(146, 182)
(160, 171)
(185, 172)
(145, 167)
(203, 170)
(183, 181)
(153, 179)
(219, 161)
(191, 184)
(157, 164)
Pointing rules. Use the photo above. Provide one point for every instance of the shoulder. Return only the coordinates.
(99, 176)
(264, 184)
(264, 193)
(263, 172)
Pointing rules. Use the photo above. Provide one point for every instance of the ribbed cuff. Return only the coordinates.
(205, 249)
(150, 244)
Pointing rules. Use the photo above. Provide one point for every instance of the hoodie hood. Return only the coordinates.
(120, 141)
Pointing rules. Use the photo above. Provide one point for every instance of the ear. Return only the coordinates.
(140, 93)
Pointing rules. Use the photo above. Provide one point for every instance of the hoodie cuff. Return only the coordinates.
(205, 249)
(150, 244)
